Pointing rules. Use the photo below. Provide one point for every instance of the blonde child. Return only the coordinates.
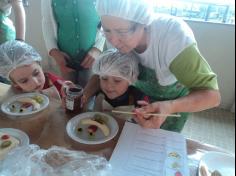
(20, 64)
(117, 73)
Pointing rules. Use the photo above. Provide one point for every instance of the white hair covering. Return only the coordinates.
(114, 63)
(14, 54)
(139, 11)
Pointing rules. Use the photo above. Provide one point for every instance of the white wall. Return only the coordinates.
(34, 34)
(216, 42)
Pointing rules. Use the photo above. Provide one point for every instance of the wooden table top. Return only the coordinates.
(48, 128)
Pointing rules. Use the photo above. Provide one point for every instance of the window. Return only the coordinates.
(217, 11)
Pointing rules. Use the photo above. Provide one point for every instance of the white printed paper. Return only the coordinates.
(149, 152)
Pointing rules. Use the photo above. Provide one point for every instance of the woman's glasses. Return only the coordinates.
(121, 33)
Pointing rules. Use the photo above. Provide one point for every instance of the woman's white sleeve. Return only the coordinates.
(49, 26)
(99, 41)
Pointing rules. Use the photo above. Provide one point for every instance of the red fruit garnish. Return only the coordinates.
(5, 137)
(26, 105)
(92, 129)
(178, 174)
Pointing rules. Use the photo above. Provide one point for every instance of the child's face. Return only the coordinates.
(113, 86)
(29, 78)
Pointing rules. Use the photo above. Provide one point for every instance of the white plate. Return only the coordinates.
(221, 162)
(83, 137)
(18, 134)
(5, 107)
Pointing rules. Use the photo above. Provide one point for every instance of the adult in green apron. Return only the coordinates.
(71, 37)
(7, 28)
(172, 70)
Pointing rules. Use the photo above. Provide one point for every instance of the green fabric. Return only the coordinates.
(148, 83)
(192, 70)
(77, 22)
(7, 30)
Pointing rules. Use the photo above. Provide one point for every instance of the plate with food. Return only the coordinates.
(25, 104)
(217, 164)
(92, 128)
(11, 138)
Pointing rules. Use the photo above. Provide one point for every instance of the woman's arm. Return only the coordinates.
(19, 13)
(95, 51)
(191, 70)
(198, 100)
(99, 41)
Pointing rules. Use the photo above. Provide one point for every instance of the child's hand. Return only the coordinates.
(84, 100)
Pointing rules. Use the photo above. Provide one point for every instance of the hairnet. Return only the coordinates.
(139, 11)
(114, 63)
(14, 54)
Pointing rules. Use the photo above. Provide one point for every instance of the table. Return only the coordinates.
(47, 128)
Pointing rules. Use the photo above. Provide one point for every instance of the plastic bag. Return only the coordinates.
(56, 161)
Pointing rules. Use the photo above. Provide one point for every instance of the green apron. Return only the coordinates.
(7, 29)
(77, 22)
(148, 83)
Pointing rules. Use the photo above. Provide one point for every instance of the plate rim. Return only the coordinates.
(229, 155)
(18, 131)
(14, 97)
(82, 141)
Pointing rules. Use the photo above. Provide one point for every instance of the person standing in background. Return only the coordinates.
(72, 38)
(7, 29)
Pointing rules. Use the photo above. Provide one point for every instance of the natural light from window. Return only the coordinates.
(216, 11)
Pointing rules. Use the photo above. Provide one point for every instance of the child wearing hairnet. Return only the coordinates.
(20, 64)
(117, 73)
(9, 31)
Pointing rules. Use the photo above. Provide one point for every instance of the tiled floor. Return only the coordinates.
(215, 127)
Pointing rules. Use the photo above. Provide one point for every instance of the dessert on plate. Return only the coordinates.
(7, 143)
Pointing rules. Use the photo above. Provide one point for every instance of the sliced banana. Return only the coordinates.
(104, 128)
(35, 104)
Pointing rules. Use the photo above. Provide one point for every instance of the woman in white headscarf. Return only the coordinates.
(172, 70)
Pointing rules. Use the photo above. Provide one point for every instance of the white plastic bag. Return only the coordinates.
(56, 161)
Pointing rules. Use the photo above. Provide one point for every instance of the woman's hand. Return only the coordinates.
(147, 121)
(60, 58)
(90, 58)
